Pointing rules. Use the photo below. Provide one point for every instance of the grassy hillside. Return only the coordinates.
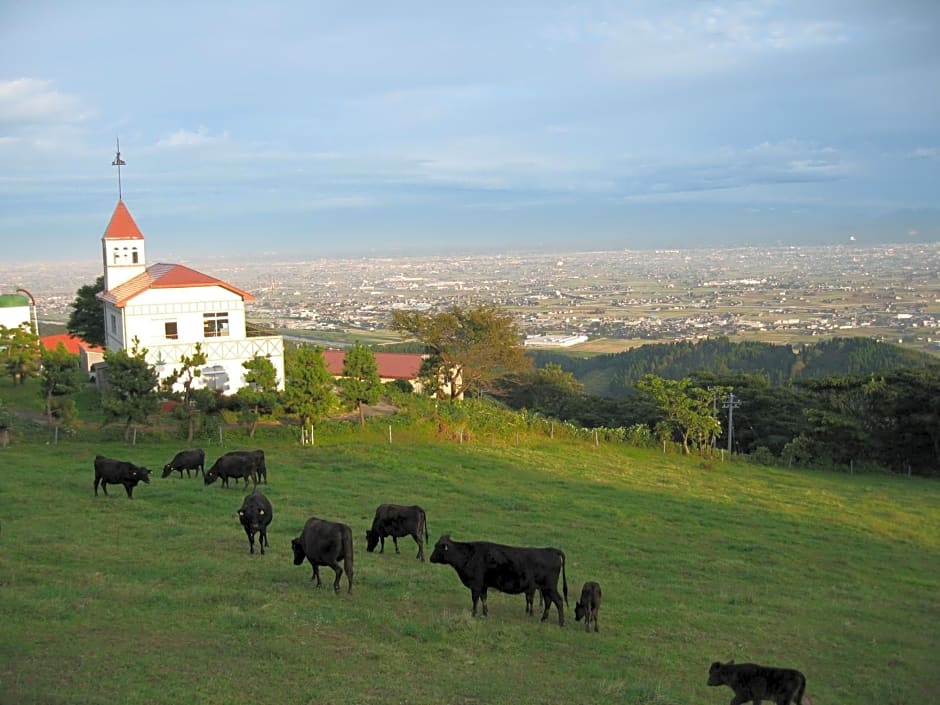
(156, 599)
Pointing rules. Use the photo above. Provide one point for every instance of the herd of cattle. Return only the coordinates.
(480, 565)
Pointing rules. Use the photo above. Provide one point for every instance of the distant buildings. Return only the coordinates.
(554, 341)
(169, 308)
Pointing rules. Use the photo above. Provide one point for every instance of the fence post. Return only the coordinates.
(595, 437)
(390, 434)
(134, 442)
(220, 433)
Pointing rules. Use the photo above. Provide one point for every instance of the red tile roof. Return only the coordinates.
(122, 225)
(72, 343)
(166, 276)
(391, 365)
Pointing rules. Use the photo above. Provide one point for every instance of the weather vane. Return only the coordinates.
(118, 162)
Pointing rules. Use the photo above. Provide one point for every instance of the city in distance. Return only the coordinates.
(610, 300)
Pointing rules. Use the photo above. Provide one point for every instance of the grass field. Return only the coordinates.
(157, 600)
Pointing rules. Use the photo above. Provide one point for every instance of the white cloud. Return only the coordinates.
(924, 153)
(31, 102)
(188, 138)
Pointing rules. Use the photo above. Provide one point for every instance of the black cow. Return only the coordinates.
(187, 460)
(255, 515)
(588, 606)
(396, 520)
(512, 569)
(753, 683)
(257, 459)
(235, 464)
(118, 472)
(325, 543)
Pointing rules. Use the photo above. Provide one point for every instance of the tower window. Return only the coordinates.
(215, 325)
(134, 255)
(117, 255)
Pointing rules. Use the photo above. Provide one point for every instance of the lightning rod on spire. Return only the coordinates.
(118, 162)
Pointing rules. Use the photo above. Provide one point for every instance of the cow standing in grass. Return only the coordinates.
(255, 515)
(481, 565)
(325, 543)
(753, 683)
(232, 465)
(187, 460)
(396, 520)
(109, 471)
(587, 607)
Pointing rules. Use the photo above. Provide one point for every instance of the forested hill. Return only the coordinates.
(613, 375)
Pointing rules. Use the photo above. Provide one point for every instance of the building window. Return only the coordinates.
(134, 255)
(215, 325)
(113, 323)
(117, 255)
(169, 330)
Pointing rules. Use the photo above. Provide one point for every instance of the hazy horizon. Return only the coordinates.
(308, 130)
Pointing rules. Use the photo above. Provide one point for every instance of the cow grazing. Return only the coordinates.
(118, 472)
(255, 515)
(187, 460)
(588, 606)
(325, 543)
(396, 520)
(257, 459)
(235, 464)
(753, 683)
(511, 569)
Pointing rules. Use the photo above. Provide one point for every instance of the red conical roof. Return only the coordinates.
(122, 225)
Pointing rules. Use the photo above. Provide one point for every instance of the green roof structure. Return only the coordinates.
(13, 300)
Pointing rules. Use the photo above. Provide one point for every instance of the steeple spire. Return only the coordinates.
(118, 162)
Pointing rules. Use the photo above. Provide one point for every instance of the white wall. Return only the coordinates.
(14, 316)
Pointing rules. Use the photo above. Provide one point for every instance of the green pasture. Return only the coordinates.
(156, 599)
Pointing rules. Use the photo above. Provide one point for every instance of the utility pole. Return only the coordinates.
(731, 403)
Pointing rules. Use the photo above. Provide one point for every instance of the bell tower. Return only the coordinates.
(122, 245)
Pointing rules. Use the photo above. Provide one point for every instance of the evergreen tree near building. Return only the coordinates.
(87, 317)
(360, 383)
(130, 396)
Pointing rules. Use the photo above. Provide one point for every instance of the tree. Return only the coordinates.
(548, 390)
(87, 317)
(691, 411)
(360, 383)
(308, 386)
(259, 395)
(130, 395)
(59, 380)
(20, 351)
(189, 371)
(468, 349)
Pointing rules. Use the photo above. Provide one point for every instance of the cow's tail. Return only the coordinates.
(564, 578)
(348, 555)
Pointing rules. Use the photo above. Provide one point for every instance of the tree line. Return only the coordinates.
(847, 402)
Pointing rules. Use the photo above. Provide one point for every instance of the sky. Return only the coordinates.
(296, 130)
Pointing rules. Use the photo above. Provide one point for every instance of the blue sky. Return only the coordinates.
(315, 129)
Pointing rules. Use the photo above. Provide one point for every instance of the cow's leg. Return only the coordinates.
(594, 615)
(483, 600)
(395, 541)
(104, 486)
(262, 539)
(382, 542)
(529, 599)
(339, 573)
(129, 488)
(316, 573)
(251, 540)
(475, 596)
(97, 482)
(417, 538)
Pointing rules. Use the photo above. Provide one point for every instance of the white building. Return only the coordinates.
(169, 308)
(15, 311)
